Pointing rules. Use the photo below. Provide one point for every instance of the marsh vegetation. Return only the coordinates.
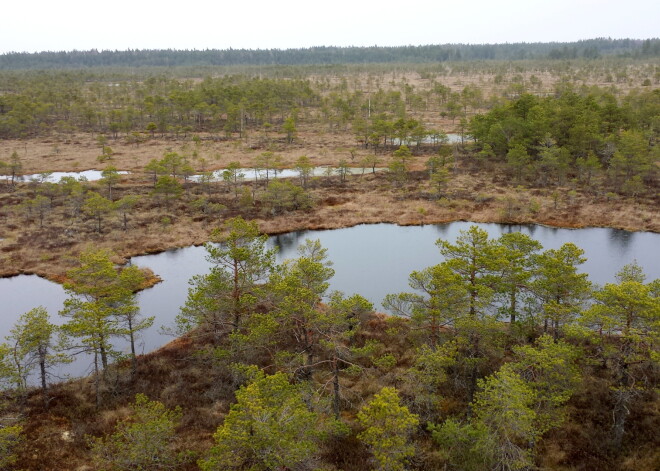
(502, 356)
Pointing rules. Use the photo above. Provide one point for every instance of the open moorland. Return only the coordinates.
(549, 168)
(502, 357)
(48, 243)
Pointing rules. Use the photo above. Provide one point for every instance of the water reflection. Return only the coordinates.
(287, 243)
(23, 293)
(54, 177)
(372, 260)
(250, 174)
(621, 240)
(524, 228)
(441, 229)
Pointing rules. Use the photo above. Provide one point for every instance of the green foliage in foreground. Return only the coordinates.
(387, 429)
(490, 392)
(10, 438)
(142, 442)
(31, 346)
(269, 427)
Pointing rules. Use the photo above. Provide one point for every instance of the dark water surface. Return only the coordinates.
(372, 260)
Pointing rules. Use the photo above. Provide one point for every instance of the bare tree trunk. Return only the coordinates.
(42, 369)
(309, 369)
(104, 354)
(474, 373)
(236, 296)
(336, 402)
(623, 395)
(512, 319)
(133, 356)
(619, 415)
(97, 380)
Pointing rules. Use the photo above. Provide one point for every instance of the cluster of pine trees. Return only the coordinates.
(551, 140)
(480, 362)
(65, 103)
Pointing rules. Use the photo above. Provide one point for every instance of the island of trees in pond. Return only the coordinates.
(496, 357)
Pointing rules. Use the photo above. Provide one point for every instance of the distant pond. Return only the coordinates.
(252, 174)
(54, 177)
(372, 260)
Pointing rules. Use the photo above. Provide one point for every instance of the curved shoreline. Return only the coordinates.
(326, 226)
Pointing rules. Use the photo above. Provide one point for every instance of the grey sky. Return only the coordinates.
(37, 25)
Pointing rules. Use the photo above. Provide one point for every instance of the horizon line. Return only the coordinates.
(229, 49)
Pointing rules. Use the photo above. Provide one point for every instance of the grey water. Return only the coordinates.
(249, 174)
(371, 260)
(452, 138)
(54, 177)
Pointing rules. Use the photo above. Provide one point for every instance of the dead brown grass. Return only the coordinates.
(370, 198)
(173, 375)
(79, 151)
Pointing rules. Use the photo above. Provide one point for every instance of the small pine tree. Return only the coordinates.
(143, 442)
(269, 427)
(387, 428)
(10, 438)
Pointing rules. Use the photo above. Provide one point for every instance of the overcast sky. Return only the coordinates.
(56, 25)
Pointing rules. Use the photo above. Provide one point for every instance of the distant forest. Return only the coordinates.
(588, 49)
